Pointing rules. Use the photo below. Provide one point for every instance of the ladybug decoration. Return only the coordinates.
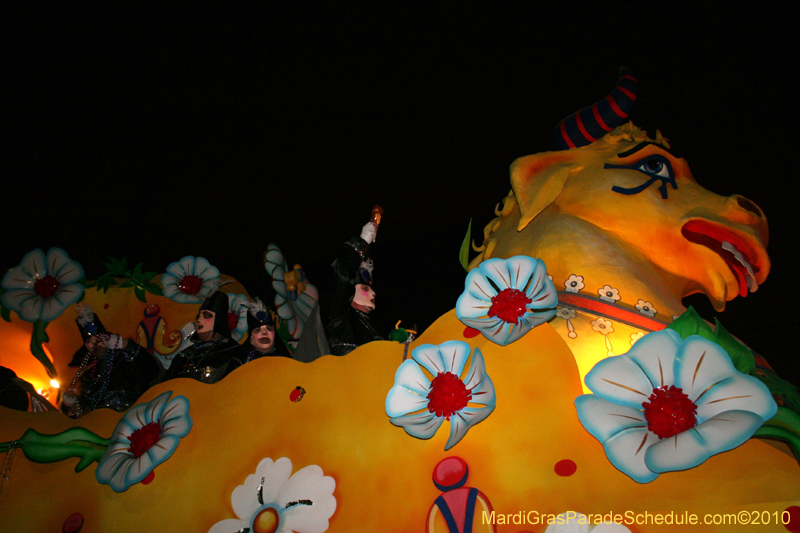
(297, 394)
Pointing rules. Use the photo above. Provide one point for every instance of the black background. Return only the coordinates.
(152, 132)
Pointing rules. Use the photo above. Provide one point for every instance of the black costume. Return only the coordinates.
(116, 379)
(119, 378)
(209, 361)
(347, 327)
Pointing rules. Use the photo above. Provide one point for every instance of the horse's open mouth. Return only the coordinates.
(733, 249)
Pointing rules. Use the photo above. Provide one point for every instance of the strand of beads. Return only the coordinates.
(5, 472)
(98, 396)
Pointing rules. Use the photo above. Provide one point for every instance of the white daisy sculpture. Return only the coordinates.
(433, 386)
(669, 404)
(190, 280)
(146, 436)
(42, 287)
(274, 501)
(506, 298)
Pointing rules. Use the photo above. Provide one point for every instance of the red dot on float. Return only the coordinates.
(105, 306)
(565, 467)
(794, 518)
(149, 478)
(73, 523)
(470, 332)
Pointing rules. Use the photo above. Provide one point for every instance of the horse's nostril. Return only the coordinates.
(746, 204)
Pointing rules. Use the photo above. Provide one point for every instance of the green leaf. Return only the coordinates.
(40, 336)
(139, 292)
(124, 264)
(107, 265)
(115, 264)
(137, 270)
(147, 276)
(463, 254)
(152, 288)
(740, 355)
(690, 323)
(5, 313)
(127, 284)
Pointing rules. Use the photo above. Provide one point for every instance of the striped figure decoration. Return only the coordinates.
(591, 123)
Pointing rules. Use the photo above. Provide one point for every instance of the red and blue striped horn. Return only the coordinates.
(591, 123)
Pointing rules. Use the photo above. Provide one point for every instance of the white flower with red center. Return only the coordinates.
(670, 404)
(146, 436)
(433, 387)
(190, 280)
(273, 500)
(646, 308)
(506, 298)
(42, 287)
(609, 294)
(237, 315)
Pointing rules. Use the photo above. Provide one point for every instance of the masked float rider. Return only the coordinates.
(349, 314)
(214, 353)
(263, 340)
(113, 371)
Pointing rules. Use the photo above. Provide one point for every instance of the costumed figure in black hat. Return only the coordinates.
(352, 300)
(113, 372)
(214, 353)
(263, 340)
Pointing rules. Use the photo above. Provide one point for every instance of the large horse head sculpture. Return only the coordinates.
(623, 225)
(624, 210)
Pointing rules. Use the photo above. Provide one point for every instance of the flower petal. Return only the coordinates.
(410, 391)
(604, 419)
(620, 380)
(65, 296)
(707, 376)
(627, 450)
(464, 419)
(184, 267)
(450, 356)
(25, 303)
(175, 419)
(308, 483)
(18, 278)
(478, 382)
(422, 425)
(718, 434)
(230, 525)
(61, 267)
(204, 269)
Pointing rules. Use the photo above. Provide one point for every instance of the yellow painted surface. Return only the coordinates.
(383, 476)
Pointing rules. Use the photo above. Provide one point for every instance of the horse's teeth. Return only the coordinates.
(752, 284)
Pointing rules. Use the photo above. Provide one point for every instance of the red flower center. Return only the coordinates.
(143, 438)
(509, 305)
(448, 395)
(190, 284)
(669, 412)
(46, 287)
(233, 320)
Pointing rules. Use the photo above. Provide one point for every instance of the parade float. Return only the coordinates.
(568, 389)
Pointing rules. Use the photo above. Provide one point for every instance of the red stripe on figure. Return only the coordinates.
(627, 93)
(582, 128)
(565, 136)
(599, 119)
(615, 108)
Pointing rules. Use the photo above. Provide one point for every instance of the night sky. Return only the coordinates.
(156, 132)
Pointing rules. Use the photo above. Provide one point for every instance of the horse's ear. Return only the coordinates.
(537, 180)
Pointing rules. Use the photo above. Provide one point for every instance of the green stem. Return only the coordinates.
(74, 442)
